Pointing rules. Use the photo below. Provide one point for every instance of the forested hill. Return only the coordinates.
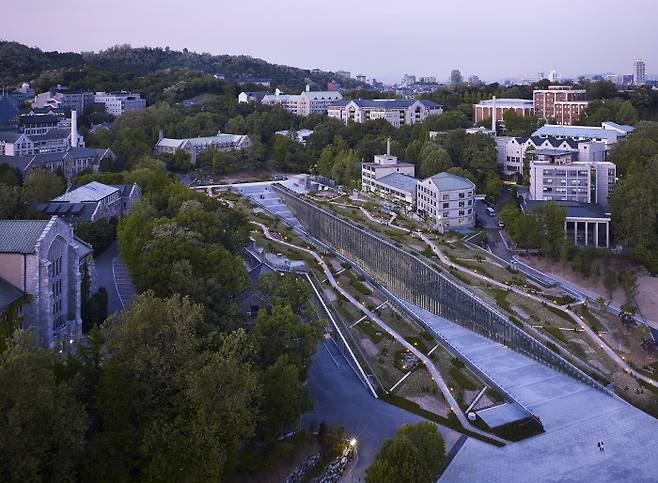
(22, 63)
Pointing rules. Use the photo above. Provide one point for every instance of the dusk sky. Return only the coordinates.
(379, 38)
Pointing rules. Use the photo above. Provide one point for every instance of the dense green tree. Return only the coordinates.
(284, 396)
(280, 332)
(167, 405)
(285, 289)
(12, 202)
(464, 173)
(601, 89)
(446, 121)
(634, 206)
(415, 455)
(637, 150)
(94, 310)
(616, 110)
(42, 425)
(346, 169)
(43, 185)
(9, 176)
(433, 159)
(516, 125)
(551, 216)
(100, 234)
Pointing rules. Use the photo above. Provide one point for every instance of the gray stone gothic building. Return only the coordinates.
(42, 259)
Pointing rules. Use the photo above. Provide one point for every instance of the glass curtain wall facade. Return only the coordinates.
(413, 280)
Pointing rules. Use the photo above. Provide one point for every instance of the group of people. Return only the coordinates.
(600, 446)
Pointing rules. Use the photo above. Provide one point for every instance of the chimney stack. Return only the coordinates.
(308, 88)
(74, 129)
(388, 146)
(160, 134)
(493, 116)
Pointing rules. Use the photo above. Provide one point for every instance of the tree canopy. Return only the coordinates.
(415, 455)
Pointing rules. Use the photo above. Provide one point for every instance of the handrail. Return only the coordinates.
(555, 359)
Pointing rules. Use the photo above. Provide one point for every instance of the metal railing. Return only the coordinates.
(411, 279)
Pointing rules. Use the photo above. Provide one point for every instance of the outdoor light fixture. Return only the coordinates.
(353, 442)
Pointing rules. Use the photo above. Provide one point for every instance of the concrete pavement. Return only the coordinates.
(575, 417)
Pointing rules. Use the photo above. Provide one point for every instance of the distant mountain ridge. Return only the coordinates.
(22, 63)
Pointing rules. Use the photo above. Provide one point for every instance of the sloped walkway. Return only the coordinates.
(575, 417)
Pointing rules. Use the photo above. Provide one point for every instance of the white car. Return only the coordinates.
(501, 224)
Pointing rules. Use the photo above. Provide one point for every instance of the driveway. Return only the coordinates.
(341, 399)
(112, 274)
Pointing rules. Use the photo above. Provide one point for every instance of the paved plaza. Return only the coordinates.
(575, 417)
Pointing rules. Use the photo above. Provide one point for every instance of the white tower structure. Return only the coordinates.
(74, 129)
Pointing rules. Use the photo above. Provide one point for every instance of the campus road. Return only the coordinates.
(341, 399)
(112, 274)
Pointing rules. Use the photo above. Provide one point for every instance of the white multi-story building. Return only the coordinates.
(193, 146)
(512, 152)
(555, 176)
(41, 138)
(118, 102)
(252, 96)
(390, 178)
(61, 97)
(609, 133)
(447, 200)
(639, 75)
(305, 103)
(300, 136)
(397, 112)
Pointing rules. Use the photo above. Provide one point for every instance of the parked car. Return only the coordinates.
(501, 224)
(491, 211)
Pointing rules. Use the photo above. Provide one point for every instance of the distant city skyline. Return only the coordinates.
(435, 39)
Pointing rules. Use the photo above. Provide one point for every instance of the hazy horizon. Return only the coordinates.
(423, 38)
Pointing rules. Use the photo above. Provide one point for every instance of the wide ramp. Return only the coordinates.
(575, 417)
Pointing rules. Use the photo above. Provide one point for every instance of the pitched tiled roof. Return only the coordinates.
(18, 162)
(9, 136)
(93, 191)
(55, 133)
(576, 131)
(8, 294)
(447, 182)
(20, 236)
(399, 181)
(8, 109)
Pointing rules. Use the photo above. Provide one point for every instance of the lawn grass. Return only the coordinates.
(556, 333)
(373, 331)
(450, 422)
(461, 379)
(500, 296)
(417, 343)
(559, 313)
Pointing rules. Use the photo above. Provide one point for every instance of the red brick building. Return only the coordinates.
(562, 103)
